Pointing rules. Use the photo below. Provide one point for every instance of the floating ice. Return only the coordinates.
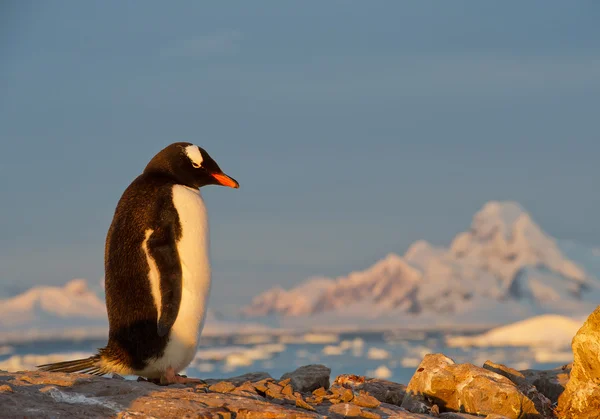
(31, 361)
(548, 330)
(333, 350)
(380, 372)
(377, 353)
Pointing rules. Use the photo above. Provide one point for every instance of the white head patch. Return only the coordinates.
(193, 153)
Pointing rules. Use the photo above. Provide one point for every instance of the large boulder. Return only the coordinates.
(383, 390)
(466, 388)
(581, 398)
(551, 383)
(542, 403)
(309, 377)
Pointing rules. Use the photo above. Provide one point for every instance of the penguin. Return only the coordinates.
(157, 269)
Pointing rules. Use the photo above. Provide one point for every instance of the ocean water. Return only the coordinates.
(393, 356)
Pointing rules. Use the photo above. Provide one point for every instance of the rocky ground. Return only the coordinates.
(439, 388)
(304, 393)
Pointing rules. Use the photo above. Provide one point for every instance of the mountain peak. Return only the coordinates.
(500, 217)
(42, 303)
(76, 286)
(508, 211)
(505, 257)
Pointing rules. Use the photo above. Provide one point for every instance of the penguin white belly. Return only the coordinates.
(192, 248)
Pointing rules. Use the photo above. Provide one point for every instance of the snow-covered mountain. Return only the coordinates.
(504, 267)
(45, 305)
(74, 311)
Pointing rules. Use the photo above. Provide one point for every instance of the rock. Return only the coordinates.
(513, 375)
(302, 404)
(288, 390)
(466, 388)
(347, 396)
(222, 387)
(5, 388)
(542, 404)
(417, 405)
(551, 383)
(581, 397)
(261, 386)
(246, 388)
(345, 410)
(309, 377)
(57, 395)
(366, 400)
(320, 392)
(253, 377)
(455, 415)
(383, 390)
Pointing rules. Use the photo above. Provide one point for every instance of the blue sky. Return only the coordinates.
(354, 128)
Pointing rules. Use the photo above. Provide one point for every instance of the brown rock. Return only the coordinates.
(309, 377)
(285, 382)
(466, 388)
(247, 387)
(346, 410)
(222, 387)
(5, 388)
(369, 415)
(513, 375)
(347, 395)
(287, 390)
(274, 394)
(542, 404)
(253, 377)
(455, 415)
(302, 404)
(383, 390)
(261, 385)
(320, 392)
(581, 398)
(366, 400)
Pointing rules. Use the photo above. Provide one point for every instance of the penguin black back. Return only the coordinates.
(132, 314)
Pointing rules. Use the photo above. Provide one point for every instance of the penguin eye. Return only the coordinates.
(196, 165)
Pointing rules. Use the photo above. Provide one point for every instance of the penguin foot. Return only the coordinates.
(171, 378)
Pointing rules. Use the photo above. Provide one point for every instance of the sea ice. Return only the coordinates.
(377, 353)
(380, 372)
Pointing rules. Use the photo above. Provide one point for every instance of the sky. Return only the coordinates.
(354, 128)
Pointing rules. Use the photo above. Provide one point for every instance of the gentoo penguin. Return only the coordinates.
(157, 270)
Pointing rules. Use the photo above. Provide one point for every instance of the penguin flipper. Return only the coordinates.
(163, 249)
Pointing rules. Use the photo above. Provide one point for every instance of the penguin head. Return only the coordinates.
(189, 165)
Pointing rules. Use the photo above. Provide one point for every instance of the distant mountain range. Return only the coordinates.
(504, 268)
(74, 311)
(46, 305)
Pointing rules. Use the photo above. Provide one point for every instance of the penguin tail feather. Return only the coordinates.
(91, 365)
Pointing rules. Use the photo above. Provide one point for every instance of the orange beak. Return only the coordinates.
(225, 180)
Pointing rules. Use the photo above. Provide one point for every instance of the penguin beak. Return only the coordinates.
(223, 179)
